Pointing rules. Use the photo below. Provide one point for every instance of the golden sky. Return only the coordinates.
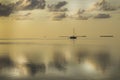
(88, 17)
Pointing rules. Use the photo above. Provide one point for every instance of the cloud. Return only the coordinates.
(101, 16)
(58, 7)
(59, 16)
(96, 12)
(6, 10)
(30, 4)
(102, 5)
(25, 16)
(80, 11)
(81, 15)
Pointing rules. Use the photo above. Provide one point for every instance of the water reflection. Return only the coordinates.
(102, 58)
(61, 62)
(5, 62)
(35, 68)
(81, 55)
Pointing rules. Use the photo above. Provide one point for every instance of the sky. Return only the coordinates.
(53, 18)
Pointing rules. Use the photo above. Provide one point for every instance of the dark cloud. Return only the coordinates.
(103, 5)
(58, 10)
(58, 7)
(81, 17)
(101, 16)
(6, 10)
(96, 11)
(30, 4)
(80, 11)
(85, 15)
(59, 16)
